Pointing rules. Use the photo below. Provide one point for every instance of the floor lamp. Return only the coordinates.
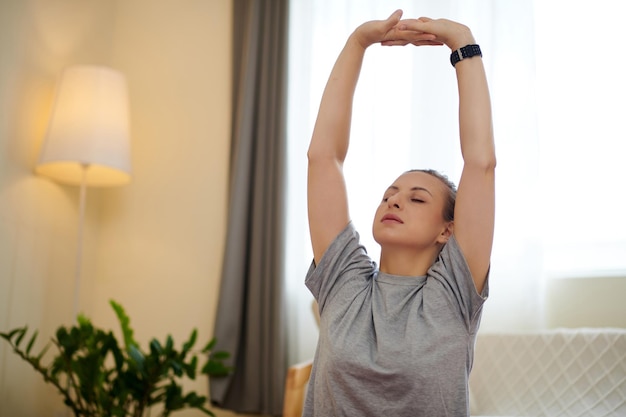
(87, 141)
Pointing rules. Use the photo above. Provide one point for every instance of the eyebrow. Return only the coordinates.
(393, 187)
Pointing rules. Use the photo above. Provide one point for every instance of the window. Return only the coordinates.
(581, 105)
(555, 74)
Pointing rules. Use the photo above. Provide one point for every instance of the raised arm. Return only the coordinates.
(475, 205)
(475, 202)
(326, 190)
(327, 197)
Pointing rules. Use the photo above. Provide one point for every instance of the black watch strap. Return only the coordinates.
(467, 51)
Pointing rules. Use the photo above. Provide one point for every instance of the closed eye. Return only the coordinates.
(417, 200)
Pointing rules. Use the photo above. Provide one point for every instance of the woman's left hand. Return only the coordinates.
(389, 32)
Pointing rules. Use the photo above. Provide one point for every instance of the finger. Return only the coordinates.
(416, 43)
(414, 21)
(419, 25)
(395, 16)
(395, 43)
(414, 36)
(428, 43)
(392, 20)
(403, 24)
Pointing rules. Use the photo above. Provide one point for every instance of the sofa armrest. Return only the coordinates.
(562, 372)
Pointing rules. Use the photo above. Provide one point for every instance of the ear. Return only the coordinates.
(446, 233)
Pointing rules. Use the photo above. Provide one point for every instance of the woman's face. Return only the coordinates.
(411, 212)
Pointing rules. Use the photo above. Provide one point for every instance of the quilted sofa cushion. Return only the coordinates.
(563, 372)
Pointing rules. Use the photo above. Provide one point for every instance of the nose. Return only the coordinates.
(393, 201)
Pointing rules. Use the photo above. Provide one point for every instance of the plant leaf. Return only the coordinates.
(169, 343)
(31, 342)
(43, 352)
(155, 346)
(137, 357)
(9, 336)
(173, 397)
(124, 320)
(82, 320)
(178, 370)
(214, 368)
(209, 345)
(195, 400)
(220, 356)
(191, 368)
(20, 334)
(192, 340)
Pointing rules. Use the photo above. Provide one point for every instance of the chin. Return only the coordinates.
(385, 238)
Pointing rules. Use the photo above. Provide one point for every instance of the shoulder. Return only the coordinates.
(344, 264)
(452, 266)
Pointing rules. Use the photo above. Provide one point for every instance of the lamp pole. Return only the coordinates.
(79, 241)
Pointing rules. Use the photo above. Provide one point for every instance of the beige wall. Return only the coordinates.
(37, 217)
(154, 245)
(586, 302)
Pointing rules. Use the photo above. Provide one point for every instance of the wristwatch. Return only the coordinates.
(467, 51)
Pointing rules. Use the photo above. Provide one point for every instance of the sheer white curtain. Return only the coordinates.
(406, 116)
(581, 87)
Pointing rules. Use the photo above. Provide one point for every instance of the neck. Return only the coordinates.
(407, 261)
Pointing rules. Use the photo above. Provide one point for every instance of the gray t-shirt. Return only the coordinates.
(392, 345)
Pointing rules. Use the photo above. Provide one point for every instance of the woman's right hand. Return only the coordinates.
(444, 31)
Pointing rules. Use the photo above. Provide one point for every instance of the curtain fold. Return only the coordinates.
(250, 320)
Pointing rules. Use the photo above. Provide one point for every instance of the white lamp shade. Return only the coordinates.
(89, 128)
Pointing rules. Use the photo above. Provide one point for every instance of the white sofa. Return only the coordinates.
(556, 373)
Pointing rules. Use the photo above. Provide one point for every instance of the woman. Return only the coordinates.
(398, 339)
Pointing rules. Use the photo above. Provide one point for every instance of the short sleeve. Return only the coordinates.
(343, 269)
(452, 270)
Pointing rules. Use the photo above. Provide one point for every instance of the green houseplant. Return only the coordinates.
(98, 378)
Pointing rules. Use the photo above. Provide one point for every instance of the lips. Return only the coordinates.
(388, 218)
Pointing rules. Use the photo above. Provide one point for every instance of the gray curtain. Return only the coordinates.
(250, 321)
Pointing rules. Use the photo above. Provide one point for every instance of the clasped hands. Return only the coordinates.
(418, 32)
